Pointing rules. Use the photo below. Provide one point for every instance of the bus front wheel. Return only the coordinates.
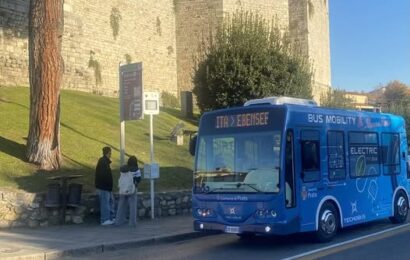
(401, 208)
(246, 236)
(327, 223)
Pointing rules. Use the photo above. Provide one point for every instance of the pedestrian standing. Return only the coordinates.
(103, 184)
(130, 176)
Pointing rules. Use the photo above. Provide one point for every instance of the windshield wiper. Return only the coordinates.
(250, 185)
(219, 188)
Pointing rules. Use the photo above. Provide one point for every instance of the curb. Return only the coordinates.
(101, 248)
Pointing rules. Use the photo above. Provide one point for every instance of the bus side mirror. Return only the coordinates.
(192, 145)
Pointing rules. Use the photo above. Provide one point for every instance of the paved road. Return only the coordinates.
(226, 246)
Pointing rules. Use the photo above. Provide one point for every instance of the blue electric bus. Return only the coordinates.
(282, 165)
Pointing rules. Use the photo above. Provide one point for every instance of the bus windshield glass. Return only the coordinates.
(238, 163)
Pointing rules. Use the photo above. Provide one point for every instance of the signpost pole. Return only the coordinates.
(122, 142)
(151, 136)
(122, 121)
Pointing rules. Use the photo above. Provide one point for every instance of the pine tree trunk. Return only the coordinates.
(46, 23)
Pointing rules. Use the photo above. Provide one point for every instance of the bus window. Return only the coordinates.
(310, 155)
(223, 154)
(363, 154)
(391, 153)
(336, 155)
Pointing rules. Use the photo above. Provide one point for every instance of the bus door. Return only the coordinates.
(290, 181)
(308, 172)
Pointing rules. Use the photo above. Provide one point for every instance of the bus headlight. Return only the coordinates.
(273, 213)
(203, 212)
(265, 213)
(260, 213)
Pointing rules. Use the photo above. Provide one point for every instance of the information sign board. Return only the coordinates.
(131, 92)
(151, 103)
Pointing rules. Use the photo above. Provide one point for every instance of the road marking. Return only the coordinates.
(346, 242)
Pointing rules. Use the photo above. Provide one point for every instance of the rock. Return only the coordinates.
(44, 224)
(5, 224)
(18, 224)
(78, 220)
(33, 223)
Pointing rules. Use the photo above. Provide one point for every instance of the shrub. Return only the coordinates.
(169, 100)
(248, 58)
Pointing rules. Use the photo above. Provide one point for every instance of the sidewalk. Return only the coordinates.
(76, 240)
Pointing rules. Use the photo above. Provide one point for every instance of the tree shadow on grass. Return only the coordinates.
(13, 149)
(14, 103)
(177, 113)
(92, 138)
(159, 138)
(38, 180)
(173, 178)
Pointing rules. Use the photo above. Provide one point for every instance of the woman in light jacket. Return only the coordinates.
(131, 199)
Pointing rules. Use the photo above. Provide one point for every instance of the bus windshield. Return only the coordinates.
(238, 163)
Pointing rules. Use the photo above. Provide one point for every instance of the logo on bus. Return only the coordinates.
(308, 194)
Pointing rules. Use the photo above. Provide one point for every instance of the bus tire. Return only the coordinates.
(401, 208)
(328, 223)
(246, 236)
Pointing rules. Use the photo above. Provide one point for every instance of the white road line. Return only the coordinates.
(345, 242)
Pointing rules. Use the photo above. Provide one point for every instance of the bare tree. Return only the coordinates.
(46, 24)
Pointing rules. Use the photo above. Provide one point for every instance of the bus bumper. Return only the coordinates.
(261, 229)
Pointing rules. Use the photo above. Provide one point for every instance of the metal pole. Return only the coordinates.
(122, 121)
(151, 136)
(122, 143)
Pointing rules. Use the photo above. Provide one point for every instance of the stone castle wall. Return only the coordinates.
(13, 42)
(146, 33)
(165, 35)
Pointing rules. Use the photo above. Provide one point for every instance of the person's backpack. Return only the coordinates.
(126, 183)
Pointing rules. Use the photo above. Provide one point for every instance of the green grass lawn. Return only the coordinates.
(88, 123)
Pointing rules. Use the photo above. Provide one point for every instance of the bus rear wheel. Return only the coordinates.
(401, 208)
(328, 223)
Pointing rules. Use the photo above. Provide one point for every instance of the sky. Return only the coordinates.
(369, 43)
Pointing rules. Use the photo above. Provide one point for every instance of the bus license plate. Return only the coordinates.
(232, 229)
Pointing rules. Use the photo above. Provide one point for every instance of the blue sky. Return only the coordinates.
(369, 43)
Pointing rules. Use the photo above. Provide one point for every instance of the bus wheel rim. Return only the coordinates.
(328, 222)
(402, 206)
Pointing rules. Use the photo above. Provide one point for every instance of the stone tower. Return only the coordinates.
(306, 20)
(196, 19)
(309, 30)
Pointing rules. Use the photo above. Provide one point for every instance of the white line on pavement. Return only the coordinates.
(346, 242)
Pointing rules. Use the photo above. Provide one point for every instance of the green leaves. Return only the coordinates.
(248, 58)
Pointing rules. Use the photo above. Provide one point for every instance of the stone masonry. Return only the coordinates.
(21, 209)
(165, 35)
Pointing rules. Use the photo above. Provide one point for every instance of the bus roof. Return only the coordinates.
(306, 115)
